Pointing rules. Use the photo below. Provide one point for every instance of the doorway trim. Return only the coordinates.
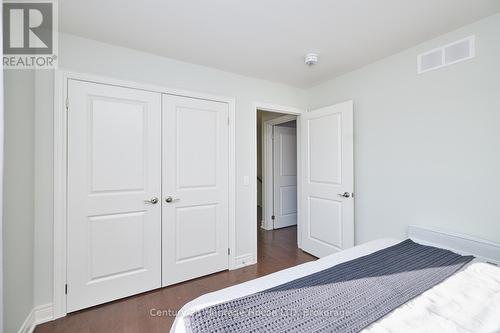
(61, 77)
(289, 111)
(267, 168)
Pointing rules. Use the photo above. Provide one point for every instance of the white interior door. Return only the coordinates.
(285, 176)
(195, 188)
(327, 179)
(114, 166)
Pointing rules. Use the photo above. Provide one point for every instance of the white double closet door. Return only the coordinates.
(147, 193)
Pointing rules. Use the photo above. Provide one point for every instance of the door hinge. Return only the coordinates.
(67, 103)
(273, 217)
(228, 121)
(66, 289)
(228, 251)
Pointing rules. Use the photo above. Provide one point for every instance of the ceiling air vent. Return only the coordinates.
(446, 55)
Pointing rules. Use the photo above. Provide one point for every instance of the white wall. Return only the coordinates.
(427, 147)
(18, 198)
(83, 55)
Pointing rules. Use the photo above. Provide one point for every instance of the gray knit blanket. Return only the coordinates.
(344, 298)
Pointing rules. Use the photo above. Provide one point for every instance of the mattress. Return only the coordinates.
(469, 301)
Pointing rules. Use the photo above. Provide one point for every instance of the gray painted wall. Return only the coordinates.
(44, 189)
(18, 198)
(427, 147)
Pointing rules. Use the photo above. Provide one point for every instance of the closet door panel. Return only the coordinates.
(195, 188)
(114, 169)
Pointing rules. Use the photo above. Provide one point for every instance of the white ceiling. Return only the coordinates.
(268, 38)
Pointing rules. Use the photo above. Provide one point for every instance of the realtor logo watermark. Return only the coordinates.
(30, 34)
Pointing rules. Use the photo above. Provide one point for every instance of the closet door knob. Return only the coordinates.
(170, 199)
(345, 195)
(153, 201)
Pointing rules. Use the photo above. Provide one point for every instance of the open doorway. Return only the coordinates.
(276, 170)
(277, 186)
(325, 186)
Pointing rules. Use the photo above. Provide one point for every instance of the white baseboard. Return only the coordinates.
(29, 323)
(244, 260)
(44, 313)
(39, 315)
(266, 226)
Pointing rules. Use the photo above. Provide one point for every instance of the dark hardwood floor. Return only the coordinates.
(277, 250)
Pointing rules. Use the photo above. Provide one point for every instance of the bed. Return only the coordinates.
(466, 301)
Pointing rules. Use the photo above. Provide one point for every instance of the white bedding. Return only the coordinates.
(468, 301)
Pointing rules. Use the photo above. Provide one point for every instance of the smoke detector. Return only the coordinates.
(311, 59)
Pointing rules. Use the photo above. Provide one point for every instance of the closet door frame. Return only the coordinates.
(61, 78)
